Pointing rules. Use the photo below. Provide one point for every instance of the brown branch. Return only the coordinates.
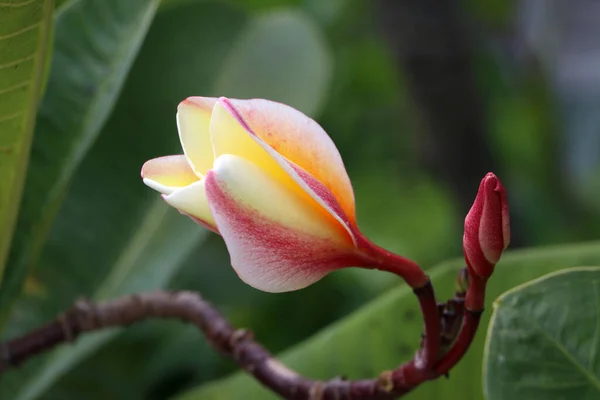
(235, 343)
(239, 344)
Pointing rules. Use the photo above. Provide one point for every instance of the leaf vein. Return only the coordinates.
(590, 377)
(10, 116)
(20, 31)
(15, 87)
(17, 62)
(16, 5)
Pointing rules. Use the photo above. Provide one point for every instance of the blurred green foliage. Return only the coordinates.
(88, 227)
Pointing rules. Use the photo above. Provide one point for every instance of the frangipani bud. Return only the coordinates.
(270, 181)
(487, 227)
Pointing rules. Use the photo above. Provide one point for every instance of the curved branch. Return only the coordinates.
(238, 344)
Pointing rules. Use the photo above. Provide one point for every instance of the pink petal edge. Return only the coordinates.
(268, 256)
(310, 184)
(197, 220)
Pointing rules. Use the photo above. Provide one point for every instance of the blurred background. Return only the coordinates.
(422, 98)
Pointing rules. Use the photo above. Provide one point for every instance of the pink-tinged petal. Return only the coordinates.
(192, 201)
(302, 141)
(167, 174)
(230, 137)
(220, 127)
(277, 241)
(193, 121)
(201, 223)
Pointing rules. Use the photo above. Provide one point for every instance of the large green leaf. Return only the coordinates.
(544, 339)
(386, 332)
(96, 42)
(25, 31)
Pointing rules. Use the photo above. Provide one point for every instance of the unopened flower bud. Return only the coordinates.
(487, 227)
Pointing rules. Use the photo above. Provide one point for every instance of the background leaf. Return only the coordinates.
(300, 74)
(96, 43)
(386, 332)
(147, 263)
(544, 339)
(25, 31)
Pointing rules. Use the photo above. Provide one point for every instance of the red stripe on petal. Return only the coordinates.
(229, 107)
(324, 194)
(316, 189)
(267, 255)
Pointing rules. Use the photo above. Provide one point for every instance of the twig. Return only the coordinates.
(235, 343)
(239, 344)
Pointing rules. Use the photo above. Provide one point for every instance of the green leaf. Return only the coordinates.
(384, 333)
(298, 70)
(152, 256)
(96, 42)
(544, 339)
(25, 32)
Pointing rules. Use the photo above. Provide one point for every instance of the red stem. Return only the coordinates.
(374, 256)
(462, 344)
(430, 352)
(382, 259)
(475, 299)
(474, 303)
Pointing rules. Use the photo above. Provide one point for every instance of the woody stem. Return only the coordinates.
(236, 343)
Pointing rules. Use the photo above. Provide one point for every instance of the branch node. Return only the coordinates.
(475, 313)
(85, 313)
(240, 335)
(386, 381)
(316, 391)
(63, 320)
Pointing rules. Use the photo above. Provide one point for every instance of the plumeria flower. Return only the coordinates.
(271, 182)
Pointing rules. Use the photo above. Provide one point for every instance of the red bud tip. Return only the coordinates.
(487, 227)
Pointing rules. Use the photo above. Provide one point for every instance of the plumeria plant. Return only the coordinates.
(271, 182)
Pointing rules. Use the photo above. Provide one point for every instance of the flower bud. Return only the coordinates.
(487, 227)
